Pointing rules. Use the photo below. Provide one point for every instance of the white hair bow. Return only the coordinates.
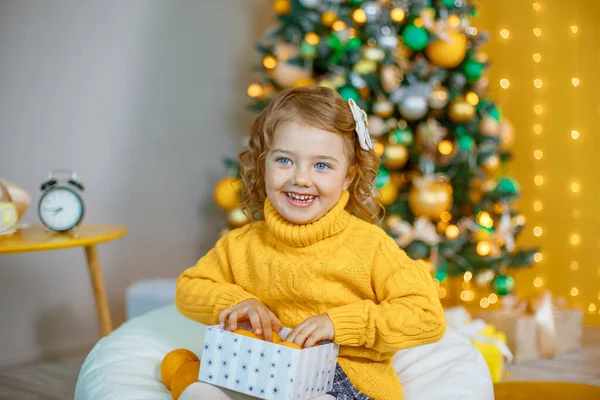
(360, 118)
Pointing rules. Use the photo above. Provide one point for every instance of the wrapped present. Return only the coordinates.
(538, 327)
(266, 370)
(489, 341)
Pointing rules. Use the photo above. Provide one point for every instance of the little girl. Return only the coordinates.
(314, 260)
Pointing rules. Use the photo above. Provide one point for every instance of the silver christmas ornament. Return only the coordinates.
(413, 107)
(373, 11)
(310, 3)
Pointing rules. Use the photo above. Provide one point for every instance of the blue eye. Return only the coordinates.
(321, 166)
(284, 160)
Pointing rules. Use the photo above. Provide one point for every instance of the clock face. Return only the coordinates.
(61, 209)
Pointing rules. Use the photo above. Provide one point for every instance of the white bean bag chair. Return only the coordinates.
(125, 365)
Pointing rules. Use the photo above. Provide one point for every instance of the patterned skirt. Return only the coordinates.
(343, 389)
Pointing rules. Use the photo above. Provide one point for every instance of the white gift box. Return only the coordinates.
(266, 370)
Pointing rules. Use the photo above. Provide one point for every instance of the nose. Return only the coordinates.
(302, 176)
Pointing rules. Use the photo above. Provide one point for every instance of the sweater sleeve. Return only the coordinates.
(407, 311)
(203, 291)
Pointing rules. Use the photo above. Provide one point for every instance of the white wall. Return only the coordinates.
(142, 98)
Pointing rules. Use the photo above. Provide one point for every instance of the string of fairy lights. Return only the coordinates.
(539, 180)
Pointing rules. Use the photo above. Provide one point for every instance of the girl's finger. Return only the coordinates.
(275, 322)
(304, 334)
(233, 319)
(265, 320)
(255, 321)
(314, 338)
(223, 317)
(292, 335)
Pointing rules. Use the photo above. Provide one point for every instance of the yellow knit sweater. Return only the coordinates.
(378, 299)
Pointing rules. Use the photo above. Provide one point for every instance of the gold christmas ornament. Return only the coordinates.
(507, 135)
(429, 198)
(286, 75)
(228, 193)
(488, 185)
(395, 156)
(460, 111)
(365, 67)
(491, 165)
(392, 221)
(282, 7)
(489, 126)
(399, 179)
(430, 133)
(373, 53)
(484, 278)
(388, 194)
(449, 50)
(237, 218)
(438, 98)
(391, 76)
(304, 82)
(383, 108)
(481, 235)
(378, 148)
(364, 92)
(328, 18)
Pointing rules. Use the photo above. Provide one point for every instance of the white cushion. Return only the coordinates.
(126, 364)
(149, 294)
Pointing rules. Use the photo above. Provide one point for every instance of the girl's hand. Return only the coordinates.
(263, 321)
(312, 331)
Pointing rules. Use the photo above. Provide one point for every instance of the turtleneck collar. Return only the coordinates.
(296, 235)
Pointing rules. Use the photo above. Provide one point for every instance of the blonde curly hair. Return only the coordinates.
(322, 108)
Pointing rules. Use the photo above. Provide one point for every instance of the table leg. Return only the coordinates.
(99, 291)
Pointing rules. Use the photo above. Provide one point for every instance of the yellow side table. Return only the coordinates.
(36, 238)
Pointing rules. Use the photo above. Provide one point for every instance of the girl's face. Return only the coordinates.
(306, 171)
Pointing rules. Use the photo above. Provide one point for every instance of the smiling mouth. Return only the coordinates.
(300, 199)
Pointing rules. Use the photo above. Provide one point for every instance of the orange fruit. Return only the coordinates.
(171, 363)
(244, 332)
(277, 338)
(291, 345)
(184, 377)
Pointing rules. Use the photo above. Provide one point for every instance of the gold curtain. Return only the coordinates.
(545, 76)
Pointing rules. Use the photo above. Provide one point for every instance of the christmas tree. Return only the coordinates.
(416, 67)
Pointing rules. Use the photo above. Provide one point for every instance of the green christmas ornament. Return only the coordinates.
(308, 50)
(508, 185)
(382, 178)
(441, 275)
(348, 93)
(495, 113)
(487, 107)
(473, 70)
(448, 3)
(466, 143)
(415, 38)
(504, 285)
(401, 136)
(353, 44)
(335, 43)
(355, 2)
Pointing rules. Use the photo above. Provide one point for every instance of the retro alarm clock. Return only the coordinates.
(61, 206)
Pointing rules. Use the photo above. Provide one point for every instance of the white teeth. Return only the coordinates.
(301, 197)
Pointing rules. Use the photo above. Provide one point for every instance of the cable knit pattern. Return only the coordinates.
(378, 299)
